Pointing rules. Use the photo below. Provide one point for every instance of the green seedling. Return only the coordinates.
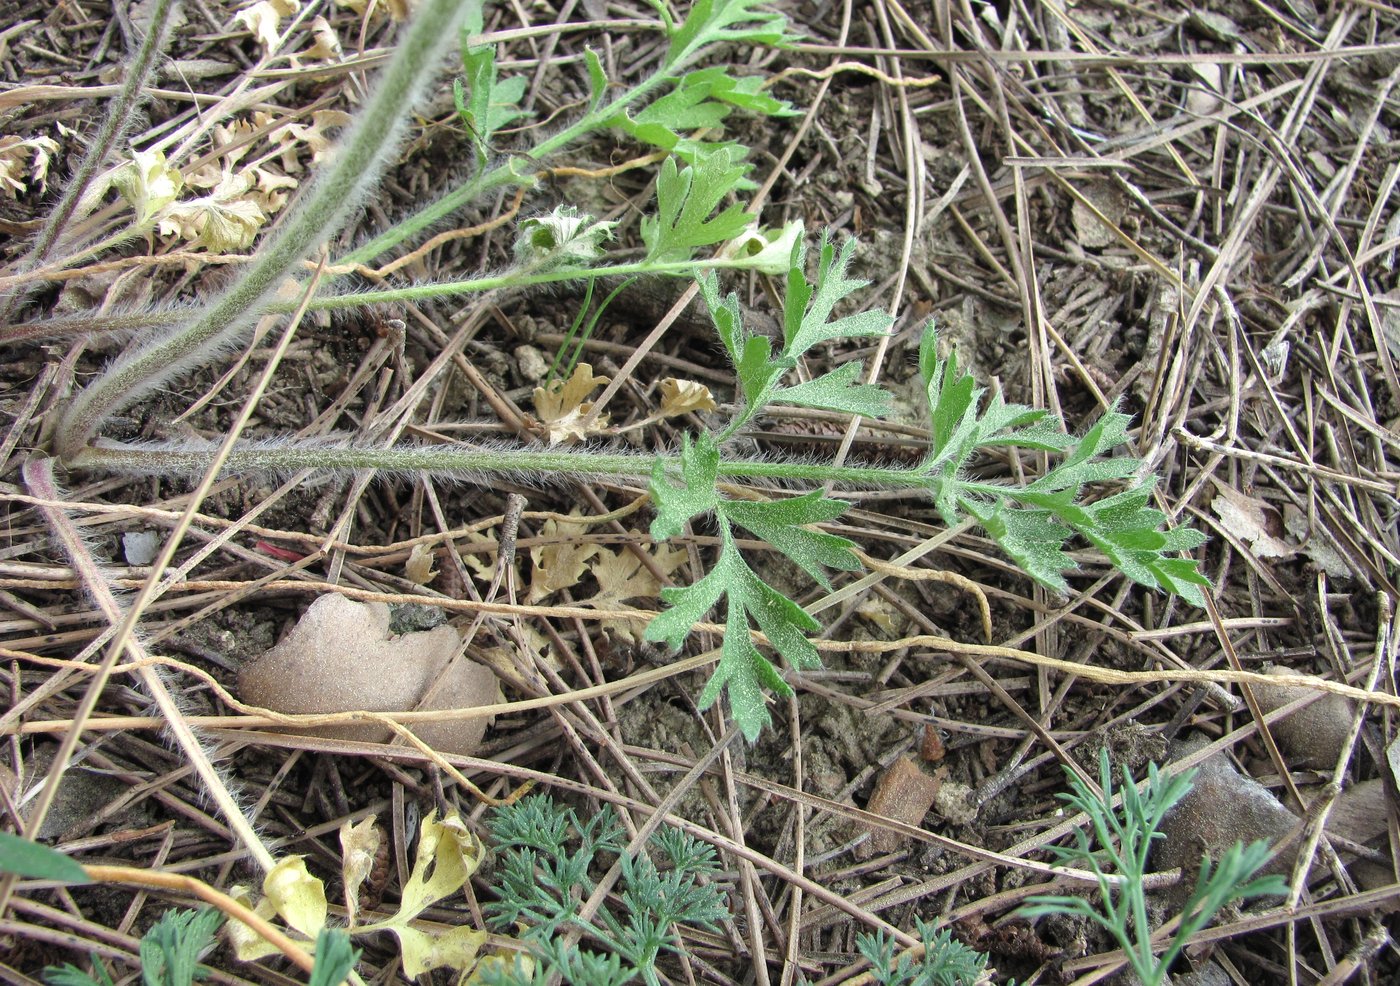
(944, 962)
(1125, 835)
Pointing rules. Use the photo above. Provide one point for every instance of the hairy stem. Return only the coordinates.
(333, 195)
(116, 117)
(474, 464)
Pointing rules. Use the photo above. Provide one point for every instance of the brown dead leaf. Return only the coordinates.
(683, 396)
(562, 406)
(419, 567)
(560, 565)
(622, 577)
(1252, 521)
(341, 657)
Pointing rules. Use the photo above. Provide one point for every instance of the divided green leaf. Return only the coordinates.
(715, 21)
(685, 199)
(701, 100)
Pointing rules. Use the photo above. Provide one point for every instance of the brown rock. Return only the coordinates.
(1222, 808)
(1314, 735)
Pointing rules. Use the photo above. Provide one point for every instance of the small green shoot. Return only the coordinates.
(546, 862)
(1125, 836)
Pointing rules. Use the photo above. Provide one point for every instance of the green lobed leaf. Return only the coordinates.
(685, 198)
(743, 672)
(779, 523)
(837, 391)
(807, 308)
(484, 103)
(33, 861)
(712, 21)
(674, 504)
(1032, 538)
(597, 78)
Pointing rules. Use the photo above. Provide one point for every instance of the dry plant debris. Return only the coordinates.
(342, 657)
(1190, 213)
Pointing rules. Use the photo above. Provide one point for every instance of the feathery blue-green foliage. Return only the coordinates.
(944, 962)
(548, 862)
(1124, 836)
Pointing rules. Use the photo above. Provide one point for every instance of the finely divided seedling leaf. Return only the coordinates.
(335, 957)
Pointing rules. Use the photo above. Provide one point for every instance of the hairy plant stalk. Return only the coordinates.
(38, 475)
(332, 196)
(471, 464)
(132, 93)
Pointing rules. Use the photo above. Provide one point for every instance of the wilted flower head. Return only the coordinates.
(769, 251)
(564, 238)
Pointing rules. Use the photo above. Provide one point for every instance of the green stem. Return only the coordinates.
(328, 203)
(513, 279)
(476, 464)
(87, 324)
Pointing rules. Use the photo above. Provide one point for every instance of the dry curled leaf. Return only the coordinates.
(563, 406)
(148, 183)
(325, 46)
(419, 567)
(622, 577)
(683, 396)
(264, 20)
(16, 154)
(290, 893)
(1252, 521)
(341, 657)
(560, 564)
(359, 845)
(225, 220)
